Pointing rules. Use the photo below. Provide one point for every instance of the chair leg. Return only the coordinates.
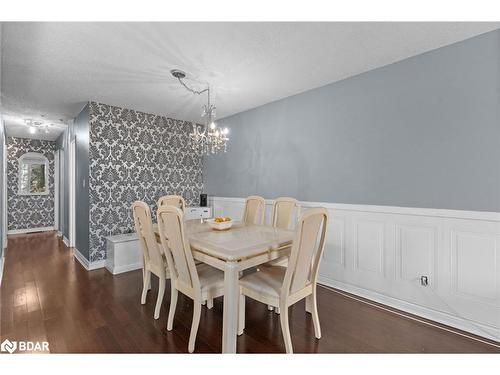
(210, 303)
(146, 276)
(149, 280)
(309, 304)
(285, 329)
(194, 325)
(173, 304)
(315, 316)
(161, 292)
(241, 315)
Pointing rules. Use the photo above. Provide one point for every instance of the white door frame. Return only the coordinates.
(56, 190)
(72, 180)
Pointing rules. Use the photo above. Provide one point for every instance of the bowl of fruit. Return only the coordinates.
(220, 223)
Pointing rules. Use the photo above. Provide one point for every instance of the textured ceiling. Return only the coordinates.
(54, 68)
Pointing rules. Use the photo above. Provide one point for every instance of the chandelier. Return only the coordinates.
(206, 138)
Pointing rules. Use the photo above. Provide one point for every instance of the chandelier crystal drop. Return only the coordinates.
(206, 138)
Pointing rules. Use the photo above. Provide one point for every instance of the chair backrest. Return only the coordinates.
(172, 200)
(176, 247)
(284, 209)
(144, 229)
(255, 209)
(305, 256)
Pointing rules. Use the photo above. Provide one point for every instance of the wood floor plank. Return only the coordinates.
(47, 295)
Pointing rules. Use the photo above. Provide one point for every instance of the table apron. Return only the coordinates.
(244, 263)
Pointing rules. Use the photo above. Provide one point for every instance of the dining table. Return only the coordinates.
(239, 248)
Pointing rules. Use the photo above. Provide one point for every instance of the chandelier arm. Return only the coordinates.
(192, 90)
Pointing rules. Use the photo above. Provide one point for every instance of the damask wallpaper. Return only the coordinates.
(135, 156)
(28, 211)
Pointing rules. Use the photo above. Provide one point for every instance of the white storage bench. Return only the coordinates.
(123, 253)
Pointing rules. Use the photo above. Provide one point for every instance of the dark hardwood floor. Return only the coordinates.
(46, 295)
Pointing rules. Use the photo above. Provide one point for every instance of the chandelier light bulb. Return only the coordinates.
(212, 125)
(225, 131)
(32, 130)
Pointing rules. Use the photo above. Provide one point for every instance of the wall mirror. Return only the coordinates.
(33, 174)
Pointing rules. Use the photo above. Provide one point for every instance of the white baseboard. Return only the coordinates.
(89, 266)
(437, 316)
(65, 241)
(2, 261)
(30, 230)
(125, 268)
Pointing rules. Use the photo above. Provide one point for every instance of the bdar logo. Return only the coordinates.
(8, 346)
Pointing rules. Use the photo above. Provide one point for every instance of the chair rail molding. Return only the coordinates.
(381, 253)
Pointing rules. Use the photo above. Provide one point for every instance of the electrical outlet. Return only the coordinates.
(424, 280)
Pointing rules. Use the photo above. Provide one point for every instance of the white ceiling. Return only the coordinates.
(54, 68)
(16, 126)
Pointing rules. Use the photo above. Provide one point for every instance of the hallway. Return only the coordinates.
(46, 295)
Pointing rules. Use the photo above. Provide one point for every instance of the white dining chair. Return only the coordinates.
(154, 262)
(255, 209)
(284, 210)
(200, 283)
(172, 200)
(284, 215)
(284, 286)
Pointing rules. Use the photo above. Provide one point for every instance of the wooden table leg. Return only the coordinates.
(231, 296)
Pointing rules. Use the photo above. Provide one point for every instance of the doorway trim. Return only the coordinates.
(56, 189)
(72, 200)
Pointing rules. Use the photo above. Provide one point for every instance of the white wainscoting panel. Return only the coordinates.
(381, 252)
(336, 242)
(369, 246)
(472, 252)
(416, 253)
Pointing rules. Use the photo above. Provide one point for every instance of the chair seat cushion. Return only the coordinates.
(268, 280)
(210, 277)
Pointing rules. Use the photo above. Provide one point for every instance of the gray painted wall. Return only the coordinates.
(424, 132)
(81, 132)
(2, 200)
(3, 219)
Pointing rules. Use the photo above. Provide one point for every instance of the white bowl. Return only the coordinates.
(225, 225)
